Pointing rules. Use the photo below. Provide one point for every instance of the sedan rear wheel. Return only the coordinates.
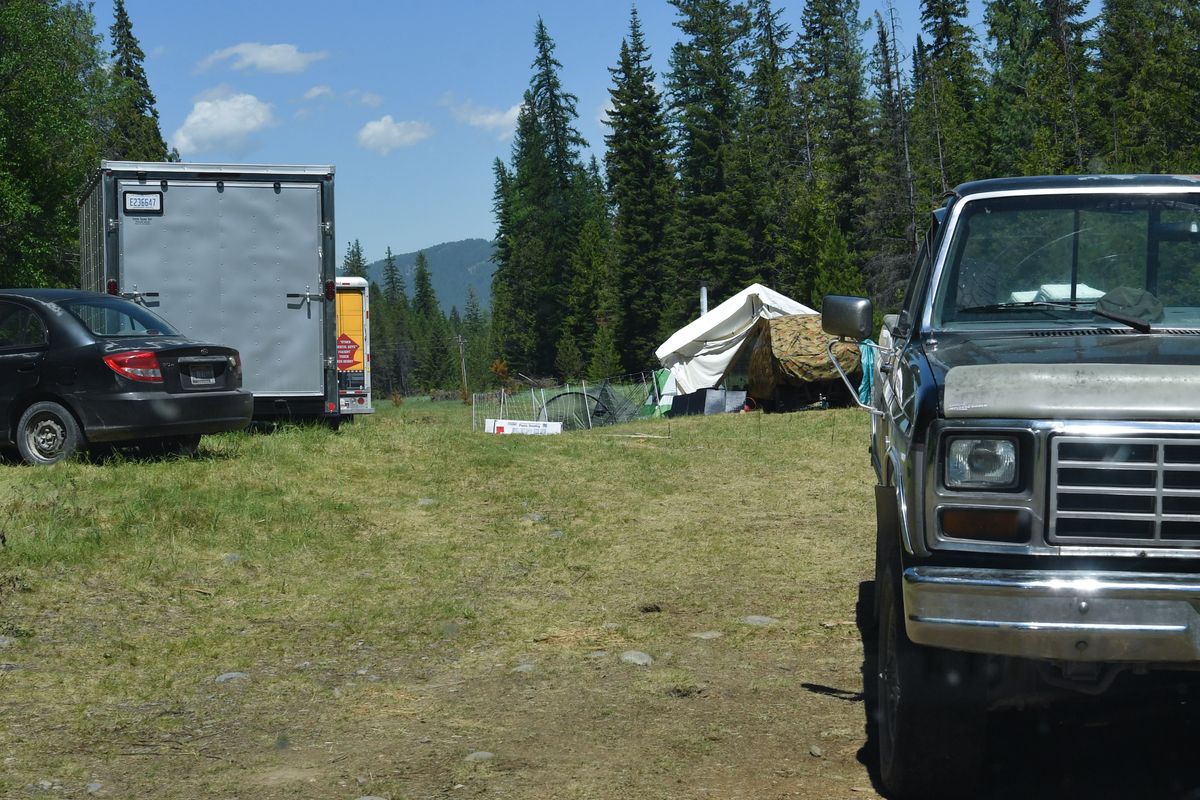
(47, 434)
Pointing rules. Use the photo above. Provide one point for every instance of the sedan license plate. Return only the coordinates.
(202, 375)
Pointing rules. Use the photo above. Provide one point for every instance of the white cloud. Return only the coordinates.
(366, 98)
(318, 92)
(223, 119)
(263, 57)
(385, 134)
(490, 119)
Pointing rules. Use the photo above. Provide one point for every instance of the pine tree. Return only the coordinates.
(394, 290)
(519, 249)
(834, 100)
(585, 264)
(538, 219)
(889, 220)
(425, 303)
(642, 187)
(134, 135)
(947, 89)
(434, 359)
(768, 149)
(354, 265)
(475, 329)
(1148, 85)
(568, 361)
(709, 242)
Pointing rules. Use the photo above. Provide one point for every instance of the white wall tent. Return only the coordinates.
(699, 353)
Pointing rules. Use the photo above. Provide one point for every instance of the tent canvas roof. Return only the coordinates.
(699, 353)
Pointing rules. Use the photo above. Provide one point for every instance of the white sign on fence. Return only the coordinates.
(507, 426)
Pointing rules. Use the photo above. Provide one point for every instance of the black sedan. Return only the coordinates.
(79, 369)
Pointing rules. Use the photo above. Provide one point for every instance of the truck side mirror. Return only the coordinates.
(847, 317)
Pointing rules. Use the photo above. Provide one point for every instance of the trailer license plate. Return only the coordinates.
(202, 375)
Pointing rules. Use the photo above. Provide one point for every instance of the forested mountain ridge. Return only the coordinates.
(453, 268)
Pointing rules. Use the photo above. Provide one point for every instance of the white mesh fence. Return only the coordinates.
(578, 406)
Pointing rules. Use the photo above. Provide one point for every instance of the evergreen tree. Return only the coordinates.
(425, 303)
(539, 221)
(947, 141)
(1014, 30)
(134, 134)
(642, 187)
(586, 262)
(354, 265)
(394, 290)
(889, 219)
(1148, 86)
(833, 96)
(568, 362)
(475, 329)
(710, 243)
(768, 143)
(556, 219)
(434, 358)
(514, 321)
(52, 87)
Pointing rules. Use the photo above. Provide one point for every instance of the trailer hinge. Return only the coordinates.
(113, 224)
(327, 227)
(330, 362)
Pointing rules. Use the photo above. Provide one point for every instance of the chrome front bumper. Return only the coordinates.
(1065, 615)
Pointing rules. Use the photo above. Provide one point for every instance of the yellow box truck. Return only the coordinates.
(354, 346)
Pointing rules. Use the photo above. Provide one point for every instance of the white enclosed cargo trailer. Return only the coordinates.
(238, 254)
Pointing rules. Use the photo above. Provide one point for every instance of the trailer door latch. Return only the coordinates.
(307, 296)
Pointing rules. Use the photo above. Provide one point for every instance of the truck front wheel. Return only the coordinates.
(930, 719)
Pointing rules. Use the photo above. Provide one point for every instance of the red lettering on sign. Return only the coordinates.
(346, 349)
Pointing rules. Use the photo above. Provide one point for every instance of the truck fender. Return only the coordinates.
(899, 515)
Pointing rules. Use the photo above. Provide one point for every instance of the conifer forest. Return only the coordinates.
(799, 146)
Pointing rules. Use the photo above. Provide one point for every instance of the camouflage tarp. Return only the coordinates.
(790, 351)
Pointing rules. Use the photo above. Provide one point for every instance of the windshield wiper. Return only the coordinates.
(1068, 305)
(1137, 323)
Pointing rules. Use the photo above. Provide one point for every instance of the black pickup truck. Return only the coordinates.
(1036, 442)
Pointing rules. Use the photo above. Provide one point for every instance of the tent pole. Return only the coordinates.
(586, 407)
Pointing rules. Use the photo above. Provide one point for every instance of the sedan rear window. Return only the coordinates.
(112, 316)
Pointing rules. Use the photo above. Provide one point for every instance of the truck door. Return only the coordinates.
(235, 263)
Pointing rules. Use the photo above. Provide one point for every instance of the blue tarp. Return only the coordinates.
(867, 351)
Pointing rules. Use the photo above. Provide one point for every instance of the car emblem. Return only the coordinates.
(203, 351)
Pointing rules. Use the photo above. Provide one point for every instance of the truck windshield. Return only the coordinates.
(1074, 260)
(111, 316)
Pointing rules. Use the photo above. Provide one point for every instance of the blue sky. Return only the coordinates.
(411, 102)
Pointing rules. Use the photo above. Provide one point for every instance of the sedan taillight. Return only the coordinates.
(137, 365)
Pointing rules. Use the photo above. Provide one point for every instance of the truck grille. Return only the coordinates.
(1134, 491)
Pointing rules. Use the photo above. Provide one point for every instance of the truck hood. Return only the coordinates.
(1082, 375)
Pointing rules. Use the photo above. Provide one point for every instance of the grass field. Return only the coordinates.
(311, 614)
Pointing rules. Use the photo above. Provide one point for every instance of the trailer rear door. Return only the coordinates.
(235, 263)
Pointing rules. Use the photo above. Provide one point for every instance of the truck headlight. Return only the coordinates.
(976, 463)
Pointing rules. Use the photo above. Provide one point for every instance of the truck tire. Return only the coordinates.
(930, 716)
(47, 433)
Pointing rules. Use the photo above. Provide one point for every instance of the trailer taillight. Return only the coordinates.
(329, 290)
(111, 287)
